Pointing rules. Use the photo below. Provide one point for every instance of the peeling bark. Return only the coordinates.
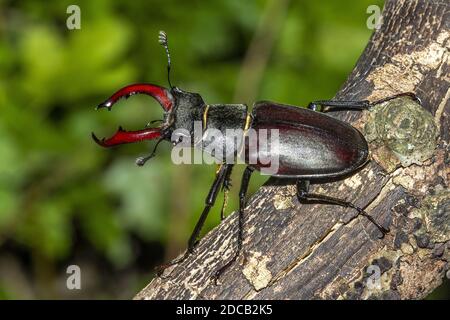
(298, 251)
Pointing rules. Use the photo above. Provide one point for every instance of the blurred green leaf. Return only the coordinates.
(61, 196)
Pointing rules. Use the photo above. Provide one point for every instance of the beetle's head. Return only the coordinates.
(179, 109)
(162, 95)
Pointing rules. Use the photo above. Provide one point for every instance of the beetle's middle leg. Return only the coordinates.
(225, 188)
(209, 202)
(357, 105)
(242, 197)
(304, 196)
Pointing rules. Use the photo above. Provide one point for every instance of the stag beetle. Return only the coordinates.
(312, 145)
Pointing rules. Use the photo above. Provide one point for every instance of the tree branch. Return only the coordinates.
(307, 251)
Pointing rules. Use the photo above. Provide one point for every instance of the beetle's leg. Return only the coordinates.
(358, 105)
(242, 197)
(209, 202)
(339, 105)
(142, 160)
(226, 188)
(412, 95)
(304, 196)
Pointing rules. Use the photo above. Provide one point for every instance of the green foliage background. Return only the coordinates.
(64, 200)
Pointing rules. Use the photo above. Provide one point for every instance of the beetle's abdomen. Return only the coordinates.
(310, 144)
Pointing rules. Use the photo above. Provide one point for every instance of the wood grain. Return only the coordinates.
(299, 251)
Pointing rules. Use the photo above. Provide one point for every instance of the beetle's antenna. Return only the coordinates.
(162, 39)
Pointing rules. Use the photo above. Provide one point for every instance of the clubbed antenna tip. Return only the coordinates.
(162, 39)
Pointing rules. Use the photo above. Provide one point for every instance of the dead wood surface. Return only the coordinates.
(304, 251)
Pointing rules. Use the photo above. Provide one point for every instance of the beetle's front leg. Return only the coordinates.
(140, 161)
(304, 195)
(320, 105)
(209, 202)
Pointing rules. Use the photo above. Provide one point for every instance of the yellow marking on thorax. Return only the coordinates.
(248, 121)
(205, 116)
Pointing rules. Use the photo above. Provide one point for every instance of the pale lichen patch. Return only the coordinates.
(283, 199)
(354, 182)
(417, 179)
(282, 202)
(251, 230)
(388, 187)
(406, 248)
(413, 179)
(404, 180)
(256, 272)
(405, 71)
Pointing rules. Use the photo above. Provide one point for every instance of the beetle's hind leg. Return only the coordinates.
(209, 202)
(335, 105)
(304, 196)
